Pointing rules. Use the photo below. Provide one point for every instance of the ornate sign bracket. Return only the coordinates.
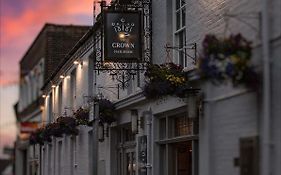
(125, 69)
(191, 46)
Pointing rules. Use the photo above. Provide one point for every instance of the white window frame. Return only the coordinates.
(169, 140)
(176, 32)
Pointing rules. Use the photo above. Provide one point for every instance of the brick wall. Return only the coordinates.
(60, 40)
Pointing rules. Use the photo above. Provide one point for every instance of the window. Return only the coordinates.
(178, 145)
(180, 31)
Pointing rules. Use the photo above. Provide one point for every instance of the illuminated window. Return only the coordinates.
(183, 126)
(178, 144)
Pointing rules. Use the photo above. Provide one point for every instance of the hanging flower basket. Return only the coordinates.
(106, 111)
(68, 125)
(164, 79)
(225, 59)
(82, 117)
(37, 137)
(40, 136)
(54, 129)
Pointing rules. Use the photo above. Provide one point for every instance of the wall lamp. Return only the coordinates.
(44, 96)
(77, 62)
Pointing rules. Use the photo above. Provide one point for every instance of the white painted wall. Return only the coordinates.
(225, 120)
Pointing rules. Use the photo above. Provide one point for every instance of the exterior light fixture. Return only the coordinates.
(68, 76)
(44, 96)
(53, 86)
(134, 120)
(61, 76)
(78, 62)
(122, 35)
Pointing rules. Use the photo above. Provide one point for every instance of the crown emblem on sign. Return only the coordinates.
(123, 26)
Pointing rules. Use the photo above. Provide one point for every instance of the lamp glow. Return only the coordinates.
(122, 35)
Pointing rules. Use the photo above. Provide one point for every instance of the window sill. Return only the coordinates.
(177, 139)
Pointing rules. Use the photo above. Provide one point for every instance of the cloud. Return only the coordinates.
(21, 21)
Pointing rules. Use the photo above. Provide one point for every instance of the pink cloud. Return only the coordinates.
(21, 21)
(19, 29)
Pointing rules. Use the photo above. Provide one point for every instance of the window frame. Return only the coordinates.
(165, 145)
(179, 53)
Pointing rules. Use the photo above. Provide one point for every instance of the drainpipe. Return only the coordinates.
(265, 135)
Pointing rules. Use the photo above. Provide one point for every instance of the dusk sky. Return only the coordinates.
(21, 21)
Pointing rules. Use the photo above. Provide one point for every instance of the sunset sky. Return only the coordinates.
(21, 20)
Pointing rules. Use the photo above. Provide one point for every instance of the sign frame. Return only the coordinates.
(139, 39)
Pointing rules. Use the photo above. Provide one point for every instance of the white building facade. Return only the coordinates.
(159, 137)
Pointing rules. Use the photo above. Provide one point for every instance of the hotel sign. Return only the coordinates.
(122, 40)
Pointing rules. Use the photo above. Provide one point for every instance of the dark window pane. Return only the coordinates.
(184, 158)
(129, 136)
(181, 39)
(183, 17)
(162, 162)
(181, 57)
(162, 128)
(177, 4)
(178, 20)
(182, 2)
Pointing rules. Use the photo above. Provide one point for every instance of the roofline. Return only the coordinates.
(42, 30)
(70, 53)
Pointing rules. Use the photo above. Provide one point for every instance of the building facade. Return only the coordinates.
(41, 59)
(223, 130)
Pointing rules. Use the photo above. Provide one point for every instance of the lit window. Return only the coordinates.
(178, 145)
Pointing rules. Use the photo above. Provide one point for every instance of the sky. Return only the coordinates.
(20, 22)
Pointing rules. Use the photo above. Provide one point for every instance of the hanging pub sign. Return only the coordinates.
(122, 36)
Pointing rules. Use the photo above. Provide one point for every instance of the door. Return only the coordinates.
(130, 162)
